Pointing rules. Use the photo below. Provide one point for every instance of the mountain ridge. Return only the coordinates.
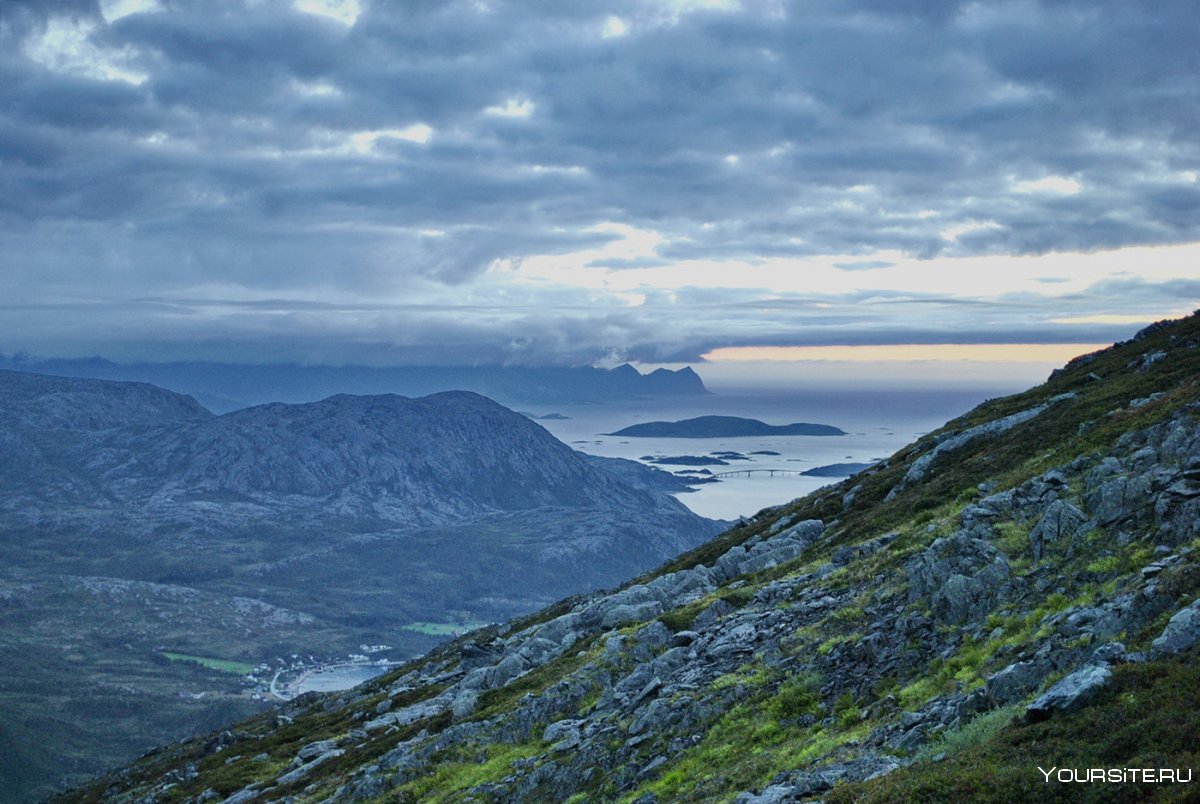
(224, 387)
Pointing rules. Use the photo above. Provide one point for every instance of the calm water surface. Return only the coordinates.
(877, 422)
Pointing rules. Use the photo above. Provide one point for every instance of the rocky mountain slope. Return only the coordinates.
(363, 520)
(1018, 588)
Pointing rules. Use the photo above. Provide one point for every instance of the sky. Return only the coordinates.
(729, 184)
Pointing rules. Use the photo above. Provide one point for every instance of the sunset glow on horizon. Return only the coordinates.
(901, 353)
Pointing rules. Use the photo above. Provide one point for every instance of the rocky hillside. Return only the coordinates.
(1016, 589)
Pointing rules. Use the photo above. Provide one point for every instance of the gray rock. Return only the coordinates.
(464, 704)
(781, 523)
(304, 770)
(508, 668)
(960, 577)
(248, 793)
(1181, 633)
(631, 613)
(711, 615)
(1099, 622)
(1061, 522)
(682, 639)
(1118, 499)
(1075, 691)
(565, 734)
(409, 714)
(849, 497)
(1015, 681)
(314, 750)
(803, 785)
(652, 766)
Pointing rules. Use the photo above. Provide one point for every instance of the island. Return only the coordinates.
(689, 460)
(725, 427)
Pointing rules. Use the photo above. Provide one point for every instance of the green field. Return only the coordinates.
(225, 666)
(442, 629)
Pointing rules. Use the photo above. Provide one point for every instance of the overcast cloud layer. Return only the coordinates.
(547, 182)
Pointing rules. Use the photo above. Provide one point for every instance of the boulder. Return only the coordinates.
(1015, 681)
(1076, 691)
(1181, 633)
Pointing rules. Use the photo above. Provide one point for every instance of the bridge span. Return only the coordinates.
(769, 472)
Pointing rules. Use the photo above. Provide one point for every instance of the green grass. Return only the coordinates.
(454, 775)
(442, 629)
(975, 732)
(223, 665)
(743, 750)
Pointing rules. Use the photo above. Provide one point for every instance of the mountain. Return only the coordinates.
(137, 526)
(1018, 588)
(228, 386)
(724, 427)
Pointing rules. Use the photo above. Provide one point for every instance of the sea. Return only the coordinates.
(877, 422)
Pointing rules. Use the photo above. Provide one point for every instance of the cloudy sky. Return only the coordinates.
(569, 182)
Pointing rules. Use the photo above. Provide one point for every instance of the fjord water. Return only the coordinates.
(877, 423)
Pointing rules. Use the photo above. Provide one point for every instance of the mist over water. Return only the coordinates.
(878, 422)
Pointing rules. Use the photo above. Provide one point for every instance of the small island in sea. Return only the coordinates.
(689, 460)
(725, 427)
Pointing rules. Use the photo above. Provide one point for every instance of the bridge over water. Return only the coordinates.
(769, 472)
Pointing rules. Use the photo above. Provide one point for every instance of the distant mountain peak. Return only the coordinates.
(228, 386)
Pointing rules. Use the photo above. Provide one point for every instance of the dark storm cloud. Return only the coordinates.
(272, 153)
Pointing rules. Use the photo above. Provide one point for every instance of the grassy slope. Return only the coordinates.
(743, 748)
(1147, 720)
